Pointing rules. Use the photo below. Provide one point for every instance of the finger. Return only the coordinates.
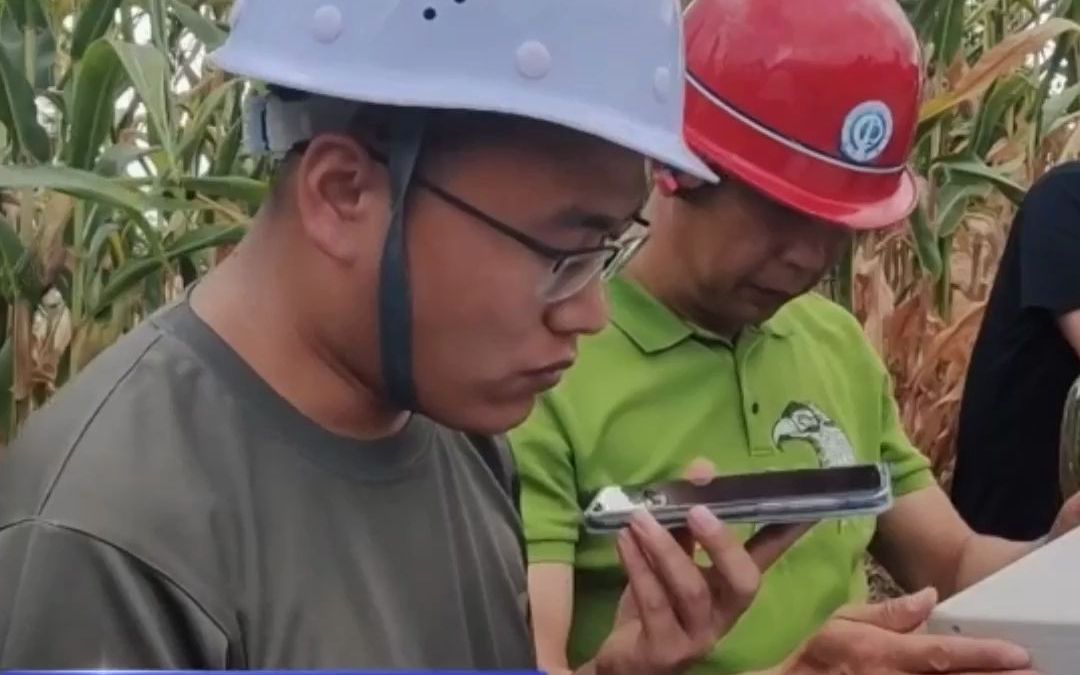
(901, 615)
(653, 608)
(700, 471)
(734, 576)
(689, 593)
(685, 538)
(947, 654)
(772, 541)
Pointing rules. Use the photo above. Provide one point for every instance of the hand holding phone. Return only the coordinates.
(674, 610)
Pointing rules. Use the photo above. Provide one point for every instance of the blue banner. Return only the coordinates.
(109, 671)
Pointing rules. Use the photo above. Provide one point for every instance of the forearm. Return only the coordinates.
(551, 594)
(983, 555)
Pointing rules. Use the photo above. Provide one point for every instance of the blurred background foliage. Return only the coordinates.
(123, 178)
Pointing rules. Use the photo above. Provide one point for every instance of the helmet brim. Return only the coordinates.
(465, 93)
(853, 214)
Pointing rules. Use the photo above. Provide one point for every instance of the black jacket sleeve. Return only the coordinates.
(1050, 243)
(70, 601)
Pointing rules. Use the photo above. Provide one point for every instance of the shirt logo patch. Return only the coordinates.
(806, 422)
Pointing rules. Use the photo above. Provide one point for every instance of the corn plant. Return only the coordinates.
(1000, 108)
(121, 176)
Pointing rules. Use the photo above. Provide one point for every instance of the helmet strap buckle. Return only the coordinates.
(273, 126)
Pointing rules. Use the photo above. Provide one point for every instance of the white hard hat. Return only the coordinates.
(610, 68)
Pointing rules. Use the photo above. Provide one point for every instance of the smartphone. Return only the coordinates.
(771, 497)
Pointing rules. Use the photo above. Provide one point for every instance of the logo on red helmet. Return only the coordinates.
(867, 130)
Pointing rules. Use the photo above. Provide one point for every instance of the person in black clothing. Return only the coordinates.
(1024, 361)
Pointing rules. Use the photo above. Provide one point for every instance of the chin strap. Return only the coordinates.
(395, 295)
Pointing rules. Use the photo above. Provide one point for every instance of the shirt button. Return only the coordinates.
(754, 408)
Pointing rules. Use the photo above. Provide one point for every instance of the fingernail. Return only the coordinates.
(701, 518)
(640, 518)
(925, 597)
(1016, 657)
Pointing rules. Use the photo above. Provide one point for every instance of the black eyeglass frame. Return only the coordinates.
(619, 252)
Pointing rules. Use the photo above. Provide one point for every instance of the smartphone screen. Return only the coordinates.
(769, 485)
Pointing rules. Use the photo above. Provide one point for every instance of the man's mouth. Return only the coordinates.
(771, 293)
(548, 376)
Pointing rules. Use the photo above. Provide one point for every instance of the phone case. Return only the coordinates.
(671, 502)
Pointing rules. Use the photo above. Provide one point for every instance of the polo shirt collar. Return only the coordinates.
(655, 328)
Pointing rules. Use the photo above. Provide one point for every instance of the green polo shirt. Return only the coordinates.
(650, 394)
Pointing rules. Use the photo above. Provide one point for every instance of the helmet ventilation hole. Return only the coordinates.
(430, 13)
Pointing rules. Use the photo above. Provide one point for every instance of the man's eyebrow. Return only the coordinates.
(601, 222)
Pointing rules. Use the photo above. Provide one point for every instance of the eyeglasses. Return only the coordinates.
(572, 269)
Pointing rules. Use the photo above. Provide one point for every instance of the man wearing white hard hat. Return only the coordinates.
(296, 466)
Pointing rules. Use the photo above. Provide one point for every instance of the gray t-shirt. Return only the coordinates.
(170, 510)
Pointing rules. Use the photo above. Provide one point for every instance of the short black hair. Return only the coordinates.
(446, 130)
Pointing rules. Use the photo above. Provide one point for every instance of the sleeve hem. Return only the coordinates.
(552, 552)
(913, 482)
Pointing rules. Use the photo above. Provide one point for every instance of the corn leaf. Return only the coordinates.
(237, 188)
(225, 160)
(148, 72)
(952, 204)
(19, 278)
(94, 107)
(949, 34)
(1049, 77)
(18, 111)
(159, 19)
(94, 21)
(195, 134)
(116, 158)
(77, 183)
(1057, 106)
(1002, 59)
(99, 238)
(132, 273)
(208, 236)
(124, 280)
(25, 33)
(975, 171)
(202, 28)
(925, 243)
(1006, 94)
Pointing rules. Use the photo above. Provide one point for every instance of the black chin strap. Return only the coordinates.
(395, 295)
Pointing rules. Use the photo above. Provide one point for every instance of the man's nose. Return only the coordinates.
(807, 252)
(583, 313)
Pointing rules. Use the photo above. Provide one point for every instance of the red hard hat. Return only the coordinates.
(813, 103)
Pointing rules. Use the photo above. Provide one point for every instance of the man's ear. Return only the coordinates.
(341, 191)
(671, 182)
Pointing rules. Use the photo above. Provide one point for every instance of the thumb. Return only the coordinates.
(901, 615)
(700, 471)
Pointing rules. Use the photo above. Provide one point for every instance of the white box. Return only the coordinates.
(1035, 603)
